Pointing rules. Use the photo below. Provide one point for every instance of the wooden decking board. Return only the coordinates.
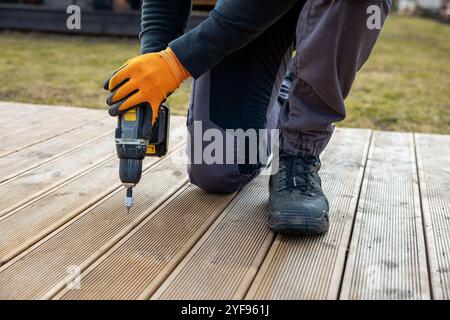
(24, 227)
(35, 121)
(83, 240)
(23, 188)
(36, 125)
(434, 177)
(218, 265)
(36, 155)
(21, 113)
(140, 261)
(12, 111)
(14, 142)
(19, 117)
(311, 267)
(387, 255)
(18, 110)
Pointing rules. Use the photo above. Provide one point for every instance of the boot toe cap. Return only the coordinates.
(299, 216)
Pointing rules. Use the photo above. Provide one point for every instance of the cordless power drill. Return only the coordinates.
(136, 138)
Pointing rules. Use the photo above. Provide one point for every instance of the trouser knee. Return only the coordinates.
(221, 178)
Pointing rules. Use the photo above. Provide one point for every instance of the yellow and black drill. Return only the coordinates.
(136, 138)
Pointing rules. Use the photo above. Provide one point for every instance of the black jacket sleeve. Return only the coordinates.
(230, 26)
(162, 22)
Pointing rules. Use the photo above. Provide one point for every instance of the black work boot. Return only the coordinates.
(297, 204)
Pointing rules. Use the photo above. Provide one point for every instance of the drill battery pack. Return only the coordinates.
(158, 144)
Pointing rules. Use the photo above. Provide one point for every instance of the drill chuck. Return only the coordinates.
(130, 171)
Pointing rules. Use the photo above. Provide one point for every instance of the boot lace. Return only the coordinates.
(297, 173)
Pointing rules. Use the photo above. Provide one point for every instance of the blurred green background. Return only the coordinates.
(405, 86)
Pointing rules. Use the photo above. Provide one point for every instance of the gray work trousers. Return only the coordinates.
(264, 86)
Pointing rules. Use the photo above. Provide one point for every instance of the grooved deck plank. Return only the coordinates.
(37, 124)
(24, 227)
(30, 135)
(11, 127)
(44, 269)
(20, 117)
(434, 177)
(28, 158)
(221, 265)
(29, 185)
(21, 109)
(311, 267)
(387, 253)
(140, 261)
(13, 111)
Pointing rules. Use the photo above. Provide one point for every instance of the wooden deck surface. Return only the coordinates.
(64, 232)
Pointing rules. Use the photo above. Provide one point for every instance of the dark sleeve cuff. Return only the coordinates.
(153, 42)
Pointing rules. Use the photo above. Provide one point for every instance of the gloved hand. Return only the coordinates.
(149, 78)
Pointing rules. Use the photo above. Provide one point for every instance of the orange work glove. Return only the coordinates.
(149, 78)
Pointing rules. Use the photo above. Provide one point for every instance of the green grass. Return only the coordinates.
(405, 85)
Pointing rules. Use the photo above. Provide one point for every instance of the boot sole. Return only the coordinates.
(298, 223)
